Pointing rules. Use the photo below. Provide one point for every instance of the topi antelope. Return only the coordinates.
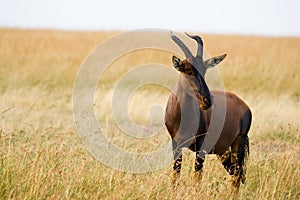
(189, 114)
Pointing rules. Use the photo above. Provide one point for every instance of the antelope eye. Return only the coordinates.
(188, 71)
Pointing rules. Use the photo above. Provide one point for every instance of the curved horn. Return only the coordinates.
(182, 46)
(200, 44)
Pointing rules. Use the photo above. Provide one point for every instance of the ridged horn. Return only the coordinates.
(182, 46)
(200, 44)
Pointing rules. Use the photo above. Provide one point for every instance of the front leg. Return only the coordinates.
(177, 152)
(198, 167)
(200, 157)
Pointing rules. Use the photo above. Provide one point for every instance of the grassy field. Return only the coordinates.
(42, 156)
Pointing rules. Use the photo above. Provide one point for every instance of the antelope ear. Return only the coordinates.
(214, 61)
(176, 62)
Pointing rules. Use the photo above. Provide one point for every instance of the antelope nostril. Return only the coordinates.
(207, 100)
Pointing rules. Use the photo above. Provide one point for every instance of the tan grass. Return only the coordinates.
(41, 155)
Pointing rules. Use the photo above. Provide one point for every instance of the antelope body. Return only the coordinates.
(189, 115)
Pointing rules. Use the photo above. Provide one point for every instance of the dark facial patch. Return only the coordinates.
(187, 68)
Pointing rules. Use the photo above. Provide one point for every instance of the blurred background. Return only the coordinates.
(269, 17)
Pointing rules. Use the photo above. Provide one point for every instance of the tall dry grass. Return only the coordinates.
(43, 157)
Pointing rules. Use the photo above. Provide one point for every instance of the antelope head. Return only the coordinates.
(197, 61)
(191, 80)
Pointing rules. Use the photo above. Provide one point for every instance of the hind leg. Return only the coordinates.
(234, 169)
(229, 161)
(226, 159)
(233, 161)
(241, 152)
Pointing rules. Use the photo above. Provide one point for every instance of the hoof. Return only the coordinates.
(175, 178)
(198, 177)
(235, 185)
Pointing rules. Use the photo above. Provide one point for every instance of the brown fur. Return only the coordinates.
(205, 121)
(237, 120)
(232, 147)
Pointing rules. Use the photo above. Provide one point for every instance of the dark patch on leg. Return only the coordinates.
(200, 157)
(177, 164)
(177, 153)
(226, 162)
(198, 162)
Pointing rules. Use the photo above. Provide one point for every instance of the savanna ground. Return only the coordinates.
(43, 157)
